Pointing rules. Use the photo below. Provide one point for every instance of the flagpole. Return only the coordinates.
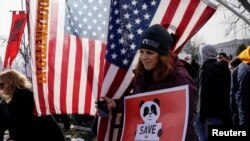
(25, 54)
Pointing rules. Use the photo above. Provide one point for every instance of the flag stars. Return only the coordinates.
(119, 30)
(121, 41)
(93, 34)
(125, 62)
(104, 22)
(116, 11)
(114, 56)
(126, 16)
(131, 36)
(68, 28)
(85, 7)
(85, 20)
(94, 8)
(134, 2)
(139, 31)
(117, 21)
(153, 3)
(112, 46)
(75, 5)
(99, 15)
(137, 21)
(89, 27)
(132, 46)
(99, 28)
(125, 6)
(84, 32)
(80, 13)
(103, 35)
(123, 51)
(144, 6)
(111, 36)
(75, 19)
(128, 26)
(136, 11)
(80, 25)
(115, 2)
(94, 21)
(146, 16)
(105, 9)
(90, 14)
(110, 27)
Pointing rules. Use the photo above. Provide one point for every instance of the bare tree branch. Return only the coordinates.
(245, 4)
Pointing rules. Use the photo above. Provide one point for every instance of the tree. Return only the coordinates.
(192, 46)
(234, 22)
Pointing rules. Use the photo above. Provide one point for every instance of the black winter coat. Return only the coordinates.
(24, 126)
(4, 117)
(214, 91)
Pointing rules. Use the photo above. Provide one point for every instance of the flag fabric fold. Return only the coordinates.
(19, 20)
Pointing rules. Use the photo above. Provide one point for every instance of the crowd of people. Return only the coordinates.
(218, 90)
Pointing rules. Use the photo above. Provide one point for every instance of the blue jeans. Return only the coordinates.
(201, 128)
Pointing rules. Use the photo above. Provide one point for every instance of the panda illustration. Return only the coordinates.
(150, 111)
(150, 129)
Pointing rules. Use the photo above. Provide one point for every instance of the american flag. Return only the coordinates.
(76, 44)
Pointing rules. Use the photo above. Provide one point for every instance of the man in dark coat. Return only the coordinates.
(214, 90)
(240, 90)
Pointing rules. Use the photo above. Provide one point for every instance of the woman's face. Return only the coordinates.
(149, 58)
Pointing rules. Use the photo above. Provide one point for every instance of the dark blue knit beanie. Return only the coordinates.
(156, 38)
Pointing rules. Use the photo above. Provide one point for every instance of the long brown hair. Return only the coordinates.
(164, 68)
(12, 80)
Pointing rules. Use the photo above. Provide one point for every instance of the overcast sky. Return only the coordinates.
(212, 32)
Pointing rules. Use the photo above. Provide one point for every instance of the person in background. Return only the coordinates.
(213, 106)
(19, 98)
(240, 90)
(222, 57)
(23, 125)
(157, 69)
(234, 63)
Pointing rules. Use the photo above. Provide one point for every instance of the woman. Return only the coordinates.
(158, 69)
(23, 125)
(19, 98)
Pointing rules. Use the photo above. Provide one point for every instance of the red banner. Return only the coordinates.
(19, 20)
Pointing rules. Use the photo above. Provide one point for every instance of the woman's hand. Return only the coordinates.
(110, 102)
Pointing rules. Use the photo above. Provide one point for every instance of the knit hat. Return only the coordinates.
(156, 38)
(245, 55)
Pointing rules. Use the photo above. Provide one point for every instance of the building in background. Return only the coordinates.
(230, 47)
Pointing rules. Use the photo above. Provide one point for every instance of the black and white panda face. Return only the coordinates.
(150, 112)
